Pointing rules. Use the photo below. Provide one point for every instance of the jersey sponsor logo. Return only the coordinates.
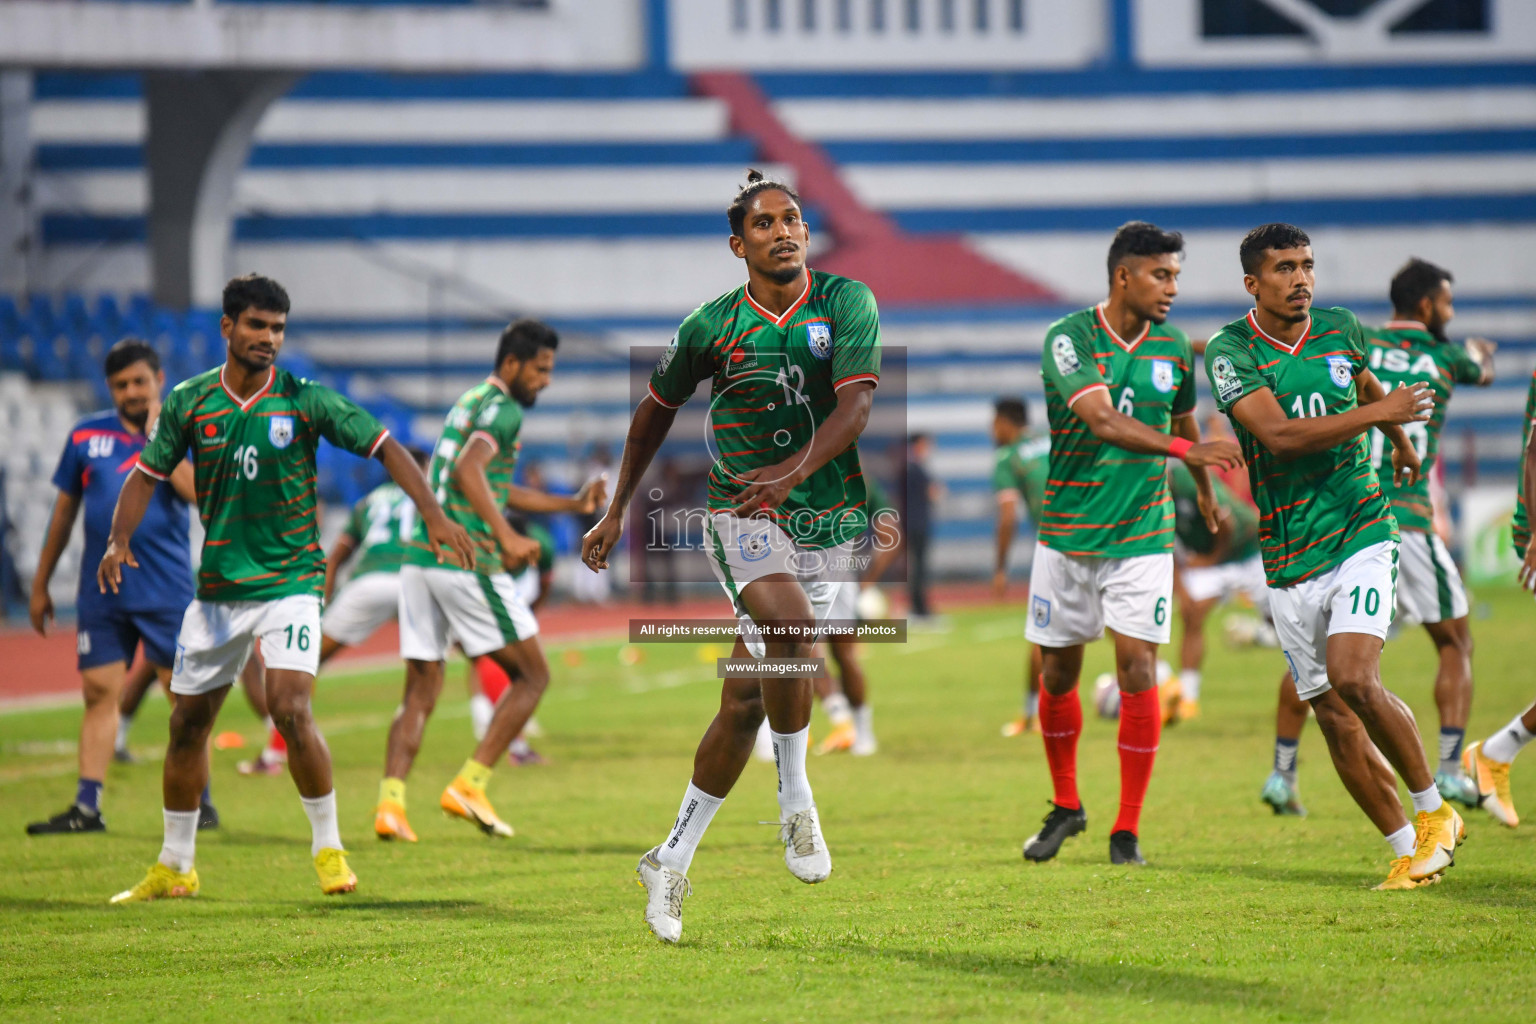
(666, 357)
(1224, 374)
(1162, 375)
(209, 433)
(99, 446)
(1340, 370)
(818, 338)
(1397, 360)
(179, 662)
(488, 415)
(1041, 608)
(742, 358)
(83, 642)
(754, 547)
(1065, 355)
(280, 431)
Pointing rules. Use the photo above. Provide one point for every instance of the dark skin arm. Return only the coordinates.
(184, 482)
(65, 509)
(1291, 438)
(448, 539)
(583, 502)
(1528, 488)
(768, 486)
(132, 502)
(1114, 427)
(340, 551)
(469, 473)
(1405, 457)
(1007, 522)
(647, 429)
(1185, 426)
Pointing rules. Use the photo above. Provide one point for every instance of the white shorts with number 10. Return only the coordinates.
(1072, 599)
(1356, 596)
(216, 639)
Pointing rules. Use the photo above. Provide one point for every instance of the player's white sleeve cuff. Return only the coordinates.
(662, 401)
(873, 378)
(481, 435)
(377, 444)
(1083, 391)
(151, 473)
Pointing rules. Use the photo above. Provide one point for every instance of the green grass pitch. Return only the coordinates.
(930, 913)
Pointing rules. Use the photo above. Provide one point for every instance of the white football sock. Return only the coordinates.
(480, 712)
(1503, 745)
(324, 831)
(864, 722)
(124, 723)
(1428, 800)
(1189, 683)
(789, 756)
(1031, 704)
(1401, 841)
(838, 709)
(180, 840)
(693, 817)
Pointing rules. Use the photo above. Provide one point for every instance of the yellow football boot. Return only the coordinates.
(839, 740)
(160, 883)
(1021, 725)
(1437, 834)
(335, 876)
(1188, 710)
(389, 822)
(1399, 877)
(1170, 696)
(1492, 778)
(462, 801)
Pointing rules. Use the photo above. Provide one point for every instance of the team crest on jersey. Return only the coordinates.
(280, 431)
(1340, 370)
(1065, 355)
(1224, 374)
(818, 338)
(1042, 611)
(666, 357)
(1162, 375)
(754, 546)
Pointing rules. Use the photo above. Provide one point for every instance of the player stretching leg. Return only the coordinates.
(1218, 565)
(1488, 761)
(471, 470)
(794, 357)
(1327, 534)
(253, 429)
(1120, 397)
(1019, 471)
(1412, 348)
(378, 532)
(98, 459)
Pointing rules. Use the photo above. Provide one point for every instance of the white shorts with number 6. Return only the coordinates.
(1072, 599)
(216, 639)
(1356, 596)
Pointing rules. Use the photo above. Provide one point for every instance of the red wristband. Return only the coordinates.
(1178, 446)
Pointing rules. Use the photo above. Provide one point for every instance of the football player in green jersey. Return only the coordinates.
(1413, 347)
(1120, 398)
(1215, 565)
(1020, 466)
(1296, 383)
(1488, 761)
(253, 429)
(793, 356)
(477, 603)
(378, 532)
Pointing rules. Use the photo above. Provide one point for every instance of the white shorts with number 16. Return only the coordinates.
(1072, 599)
(216, 639)
(1356, 596)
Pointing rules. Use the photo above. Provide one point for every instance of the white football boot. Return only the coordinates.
(805, 848)
(665, 891)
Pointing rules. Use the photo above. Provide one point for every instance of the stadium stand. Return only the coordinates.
(412, 215)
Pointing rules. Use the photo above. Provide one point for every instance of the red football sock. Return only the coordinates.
(1061, 721)
(1141, 726)
(493, 681)
(275, 742)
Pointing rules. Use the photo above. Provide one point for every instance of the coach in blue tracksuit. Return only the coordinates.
(101, 451)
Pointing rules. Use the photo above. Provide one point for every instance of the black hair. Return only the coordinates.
(127, 352)
(917, 436)
(756, 182)
(254, 292)
(522, 340)
(1139, 238)
(1266, 237)
(1013, 410)
(420, 455)
(1416, 281)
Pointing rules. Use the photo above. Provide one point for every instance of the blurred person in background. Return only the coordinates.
(1021, 463)
(922, 493)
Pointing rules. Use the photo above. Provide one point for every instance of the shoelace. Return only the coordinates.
(678, 887)
(798, 834)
